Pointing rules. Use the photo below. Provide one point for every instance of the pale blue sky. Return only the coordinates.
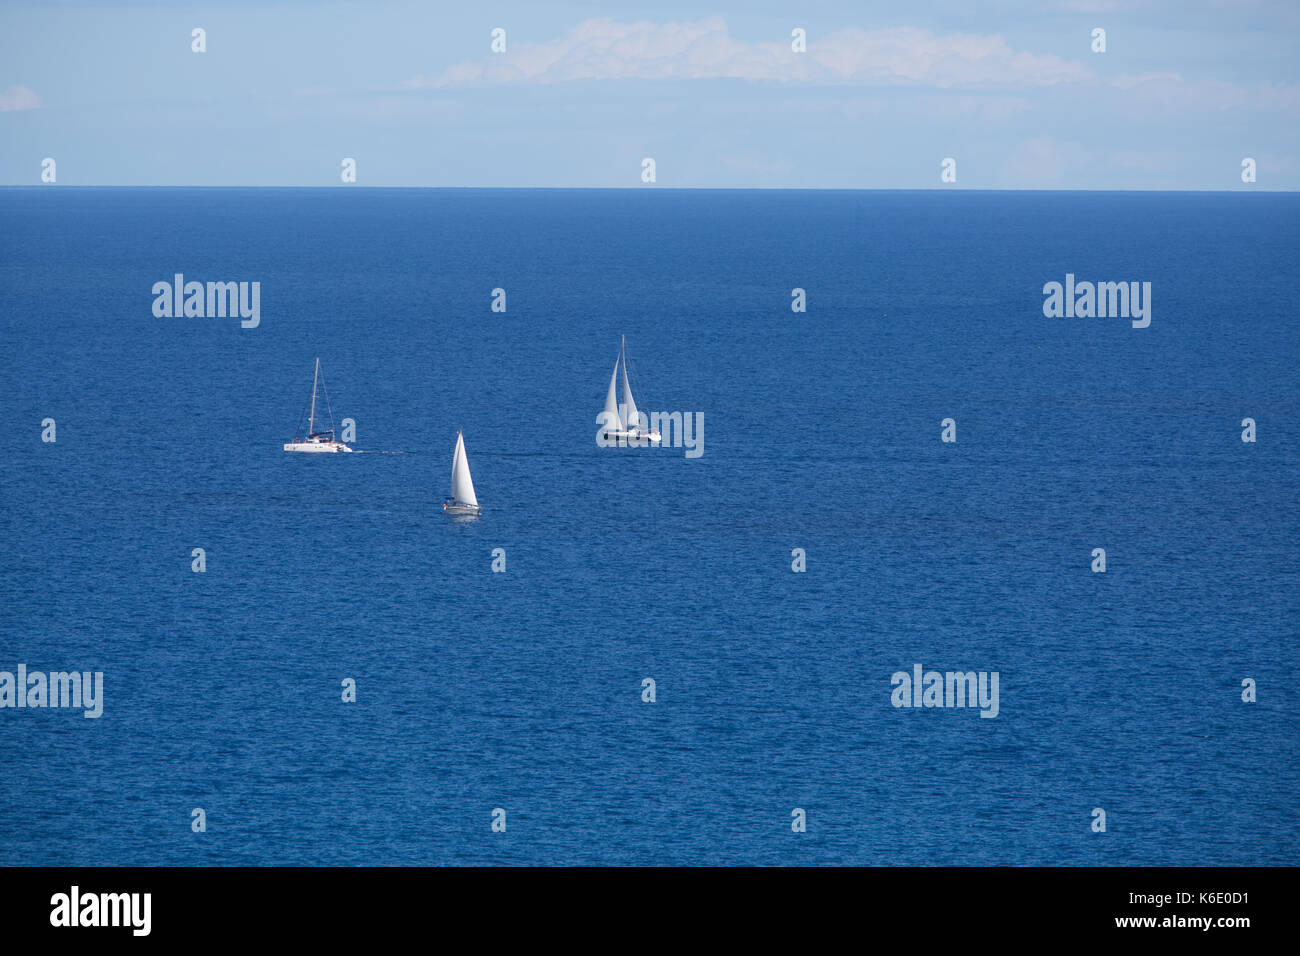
(711, 91)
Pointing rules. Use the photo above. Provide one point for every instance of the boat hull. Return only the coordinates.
(317, 447)
(632, 439)
(462, 511)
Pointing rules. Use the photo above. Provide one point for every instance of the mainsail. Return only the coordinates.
(613, 422)
(462, 486)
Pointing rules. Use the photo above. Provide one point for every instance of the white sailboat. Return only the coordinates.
(316, 441)
(623, 424)
(462, 500)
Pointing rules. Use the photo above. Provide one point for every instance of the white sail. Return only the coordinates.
(613, 422)
(462, 486)
(632, 419)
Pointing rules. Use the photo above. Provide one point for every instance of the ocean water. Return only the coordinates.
(522, 690)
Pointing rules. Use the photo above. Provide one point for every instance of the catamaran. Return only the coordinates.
(624, 425)
(462, 500)
(316, 441)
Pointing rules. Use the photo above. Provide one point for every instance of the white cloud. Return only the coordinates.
(704, 49)
(1128, 81)
(18, 98)
(1148, 91)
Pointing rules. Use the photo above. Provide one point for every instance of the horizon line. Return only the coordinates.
(659, 188)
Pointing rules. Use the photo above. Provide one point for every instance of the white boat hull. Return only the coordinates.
(461, 510)
(634, 438)
(317, 447)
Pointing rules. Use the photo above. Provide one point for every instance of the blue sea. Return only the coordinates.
(522, 691)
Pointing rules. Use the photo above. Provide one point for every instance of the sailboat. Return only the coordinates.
(462, 500)
(316, 441)
(624, 425)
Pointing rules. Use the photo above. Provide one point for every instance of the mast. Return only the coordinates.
(631, 417)
(312, 418)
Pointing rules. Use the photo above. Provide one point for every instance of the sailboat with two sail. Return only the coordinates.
(316, 441)
(623, 424)
(462, 502)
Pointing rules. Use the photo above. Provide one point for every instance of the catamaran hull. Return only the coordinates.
(632, 439)
(317, 447)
